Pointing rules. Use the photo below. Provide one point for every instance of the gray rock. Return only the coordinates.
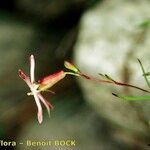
(109, 42)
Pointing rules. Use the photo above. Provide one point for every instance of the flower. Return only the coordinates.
(36, 89)
(44, 84)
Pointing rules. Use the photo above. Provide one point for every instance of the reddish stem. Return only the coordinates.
(111, 82)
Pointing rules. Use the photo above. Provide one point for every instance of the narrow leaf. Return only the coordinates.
(143, 71)
(108, 77)
(132, 98)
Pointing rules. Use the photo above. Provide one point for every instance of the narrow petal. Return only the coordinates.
(32, 68)
(46, 103)
(40, 112)
(37, 100)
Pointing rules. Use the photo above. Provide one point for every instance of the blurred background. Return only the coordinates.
(98, 36)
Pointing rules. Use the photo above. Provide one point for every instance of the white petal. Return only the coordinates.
(32, 68)
(40, 113)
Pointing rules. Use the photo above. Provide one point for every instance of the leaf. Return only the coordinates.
(109, 78)
(132, 98)
(143, 71)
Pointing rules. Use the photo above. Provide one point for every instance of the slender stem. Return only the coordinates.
(129, 85)
(112, 82)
